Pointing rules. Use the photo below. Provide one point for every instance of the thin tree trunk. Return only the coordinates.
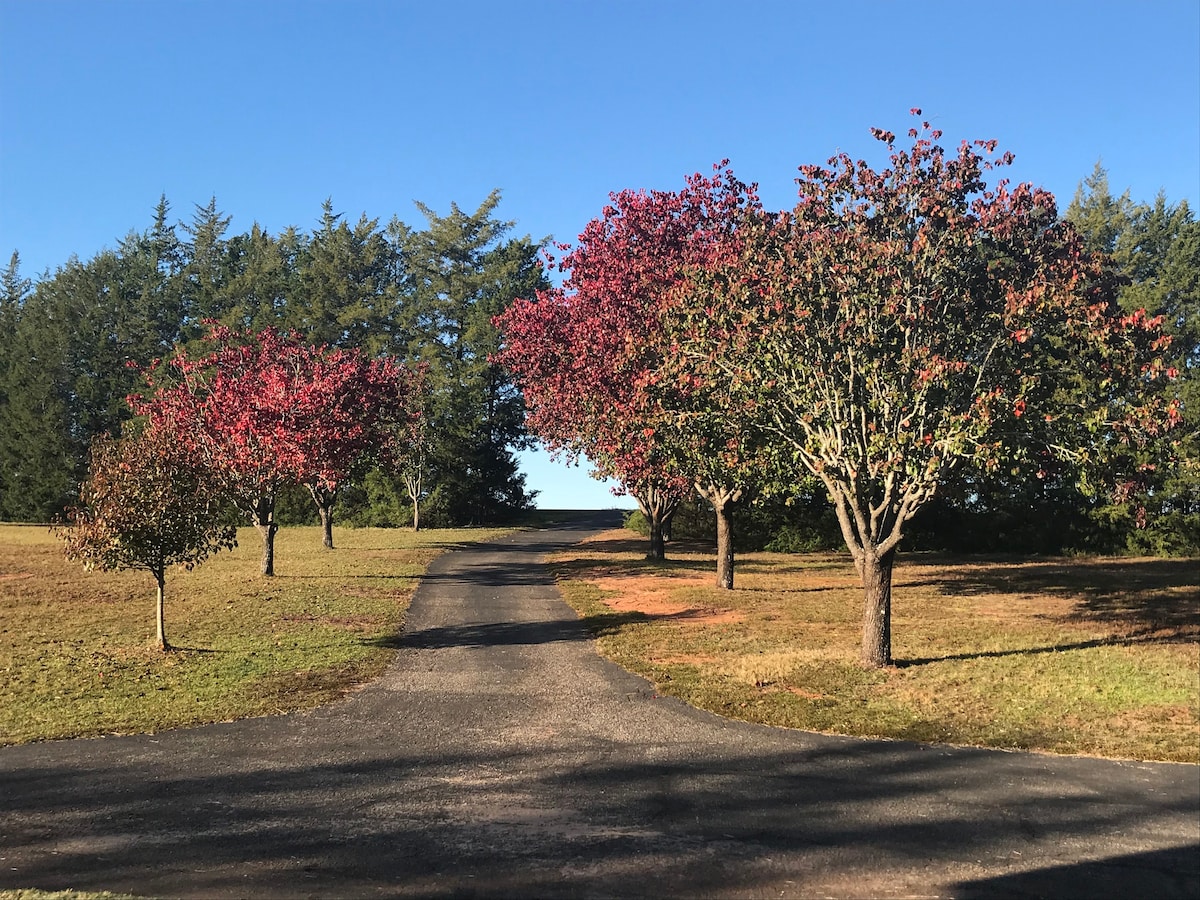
(160, 580)
(326, 514)
(264, 524)
(324, 498)
(876, 573)
(414, 493)
(724, 501)
(267, 532)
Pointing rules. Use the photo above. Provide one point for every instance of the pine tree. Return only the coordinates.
(346, 291)
(463, 270)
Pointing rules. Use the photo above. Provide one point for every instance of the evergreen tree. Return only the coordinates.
(347, 291)
(67, 366)
(463, 270)
(263, 277)
(208, 270)
(1155, 250)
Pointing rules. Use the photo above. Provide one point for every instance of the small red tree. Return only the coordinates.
(586, 355)
(353, 406)
(147, 504)
(899, 324)
(268, 409)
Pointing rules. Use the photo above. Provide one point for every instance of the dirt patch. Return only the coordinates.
(16, 577)
(651, 595)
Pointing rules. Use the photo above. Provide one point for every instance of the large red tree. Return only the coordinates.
(267, 409)
(586, 355)
(901, 323)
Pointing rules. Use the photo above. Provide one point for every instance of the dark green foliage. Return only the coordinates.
(66, 368)
(804, 525)
(75, 340)
(462, 271)
(1155, 251)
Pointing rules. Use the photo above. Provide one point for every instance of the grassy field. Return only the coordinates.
(76, 654)
(1082, 656)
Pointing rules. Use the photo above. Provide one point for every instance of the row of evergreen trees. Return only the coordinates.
(75, 338)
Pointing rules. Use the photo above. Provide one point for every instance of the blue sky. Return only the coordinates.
(273, 106)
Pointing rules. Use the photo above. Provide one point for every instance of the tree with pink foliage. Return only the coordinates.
(267, 409)
(586, 355)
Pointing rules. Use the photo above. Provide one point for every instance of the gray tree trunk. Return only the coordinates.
(876, 574)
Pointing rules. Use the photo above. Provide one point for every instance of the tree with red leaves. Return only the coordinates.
(585, 355)
(268, 409)
(899, 324)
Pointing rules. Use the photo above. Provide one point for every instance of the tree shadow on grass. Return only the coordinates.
(1145, 636)
(1139, 594)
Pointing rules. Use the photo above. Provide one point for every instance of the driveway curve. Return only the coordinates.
(501, 756)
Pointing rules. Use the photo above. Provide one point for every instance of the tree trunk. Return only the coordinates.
(668, 524)
(326, 513)
(724, 501)
(658, 506)
(414, 493)
(160, 580)
(324, 498)
(724, 544)
(876, 573)
(264, 524)
(658, 544)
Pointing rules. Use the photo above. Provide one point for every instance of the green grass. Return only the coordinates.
(1083, 656)
(76, 647)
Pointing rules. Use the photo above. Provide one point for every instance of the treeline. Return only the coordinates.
(77, 339)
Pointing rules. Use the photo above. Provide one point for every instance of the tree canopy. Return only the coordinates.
(77, 336)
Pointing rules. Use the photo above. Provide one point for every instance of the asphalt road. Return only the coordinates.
(500, 756)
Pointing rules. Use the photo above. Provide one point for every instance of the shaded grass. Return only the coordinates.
(34, 894)
(76, 647)
(1087, 656)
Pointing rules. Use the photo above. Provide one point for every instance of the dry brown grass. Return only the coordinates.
(1094, 656)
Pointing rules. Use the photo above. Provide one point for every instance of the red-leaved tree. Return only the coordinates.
(267, 409)
(586, 355)
(901, 323)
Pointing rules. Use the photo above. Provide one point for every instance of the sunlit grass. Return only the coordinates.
(76, 647)
(1089, 656)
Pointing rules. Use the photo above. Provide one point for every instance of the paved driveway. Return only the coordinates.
(500, 755)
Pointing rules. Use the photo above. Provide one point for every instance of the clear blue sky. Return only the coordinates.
(273, 106)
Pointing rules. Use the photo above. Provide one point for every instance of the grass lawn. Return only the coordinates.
(76, 653)
(1084, 656)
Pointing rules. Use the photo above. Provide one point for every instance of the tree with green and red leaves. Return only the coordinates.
(900, 324)
(267, 409)
(586, 354)
(149, 504)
